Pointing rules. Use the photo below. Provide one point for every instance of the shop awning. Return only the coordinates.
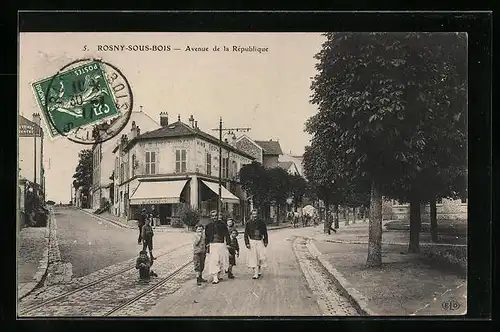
(158, 192)
(227, 196)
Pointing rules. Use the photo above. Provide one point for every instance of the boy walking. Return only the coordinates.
(234, 251)
(199, 253)
(147, 237)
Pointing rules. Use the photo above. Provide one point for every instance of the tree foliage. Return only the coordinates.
(83, 173)
(391, 110)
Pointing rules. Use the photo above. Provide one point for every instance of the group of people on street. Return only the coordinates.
(217, 245)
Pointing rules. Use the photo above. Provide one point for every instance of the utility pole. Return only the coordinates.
(228, 131)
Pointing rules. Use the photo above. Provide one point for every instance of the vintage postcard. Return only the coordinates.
(242, 174)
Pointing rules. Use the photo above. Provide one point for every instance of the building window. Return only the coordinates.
(117, 168)
(464, 200)
(151, 162)
(180, 161)
(225, 162)
(439, 201)
(209, 164)
(122, 171)
(133, 165)
(234, 169)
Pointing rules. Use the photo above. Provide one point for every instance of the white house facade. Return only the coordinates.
(174, 165)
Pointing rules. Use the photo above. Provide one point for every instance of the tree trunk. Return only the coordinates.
(346, 216)
(434, 232)
(374, 258)
(414, 245)
(354, 215)
(336, 216)
(326, 225)
(277, 214)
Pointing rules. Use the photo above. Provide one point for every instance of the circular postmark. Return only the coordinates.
(88, 101)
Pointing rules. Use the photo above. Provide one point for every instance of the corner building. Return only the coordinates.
(174, 165)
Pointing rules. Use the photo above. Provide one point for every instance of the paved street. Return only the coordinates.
(105, 282)
(287, 288)
(90, 244)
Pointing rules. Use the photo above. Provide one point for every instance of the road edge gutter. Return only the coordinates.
(43, 265)
(358, 300)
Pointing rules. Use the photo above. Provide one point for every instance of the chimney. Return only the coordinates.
(196, 124)
(233, 140)
(178, 117)
(191, 121)
(36, 119)
(140, 108)
(133, 131)
(163, 119)
(138, 130)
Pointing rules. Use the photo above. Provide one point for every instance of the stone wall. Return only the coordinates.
(449, 209)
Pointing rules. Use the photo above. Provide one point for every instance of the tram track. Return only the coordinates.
(149, 289)
(31, 308)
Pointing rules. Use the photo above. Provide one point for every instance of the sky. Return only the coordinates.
(268, 92)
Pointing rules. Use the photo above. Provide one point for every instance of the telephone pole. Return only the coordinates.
(227, 131)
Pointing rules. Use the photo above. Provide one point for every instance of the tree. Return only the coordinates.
(325, 173)
(298, 188)
(279, 187)
(83, 174)
(374, 93)
(254, 180)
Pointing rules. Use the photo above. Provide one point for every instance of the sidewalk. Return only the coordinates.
(407, 284)
(32, 258)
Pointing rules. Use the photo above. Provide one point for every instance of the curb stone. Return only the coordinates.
(424, 244)
(41, 272)
(57, 271)
(358, 300)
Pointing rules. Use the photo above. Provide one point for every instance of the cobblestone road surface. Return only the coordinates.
(293, 284)
(282, 291)
(90, 244)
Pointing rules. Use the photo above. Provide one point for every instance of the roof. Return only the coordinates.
(285, 164)
(180, 129)
(270, 147)
(23, 121)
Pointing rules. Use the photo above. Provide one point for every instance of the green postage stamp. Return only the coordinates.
(76, 98)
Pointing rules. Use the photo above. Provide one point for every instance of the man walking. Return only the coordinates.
(256, 241)
(217, 239)
(141, 221)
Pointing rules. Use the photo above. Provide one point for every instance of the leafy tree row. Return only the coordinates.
(272, 186)
(391, 121)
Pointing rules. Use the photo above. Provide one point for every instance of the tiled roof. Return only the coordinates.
(270, 147)
(180, 129)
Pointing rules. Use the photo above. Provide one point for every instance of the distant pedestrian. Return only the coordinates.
(234, 251)
(155, 217)
(147, 237)
(141, 220)
(256, 241)
(217, 239)
(199, 253)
